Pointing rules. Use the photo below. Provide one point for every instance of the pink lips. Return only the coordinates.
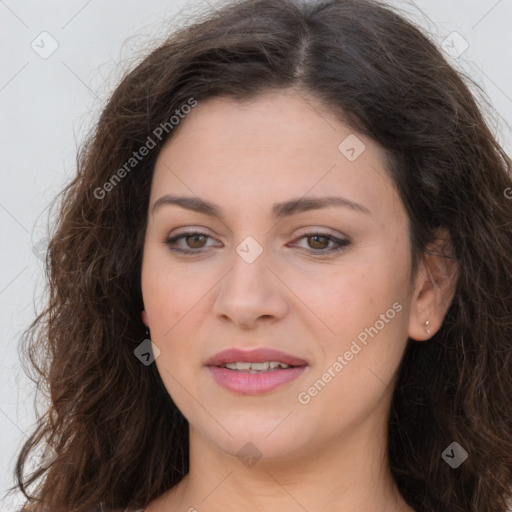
(254, 383)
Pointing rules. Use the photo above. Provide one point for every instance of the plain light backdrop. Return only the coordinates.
(60, 61)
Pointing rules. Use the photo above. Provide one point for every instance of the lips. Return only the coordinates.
(248, 382)
(261, 355)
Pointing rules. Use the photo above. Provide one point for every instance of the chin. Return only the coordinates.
(260, 439)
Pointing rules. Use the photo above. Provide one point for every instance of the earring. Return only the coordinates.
(148, 334)
(427, 323)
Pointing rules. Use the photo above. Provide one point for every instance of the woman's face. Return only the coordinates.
(303, 249)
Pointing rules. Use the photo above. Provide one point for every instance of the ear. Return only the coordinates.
(434, 287)
(145, 318)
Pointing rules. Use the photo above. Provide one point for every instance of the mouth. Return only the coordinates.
(254, 372)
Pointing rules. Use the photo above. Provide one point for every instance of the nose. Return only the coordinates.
(251, 293)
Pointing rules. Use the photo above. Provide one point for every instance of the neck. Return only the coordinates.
(344, 474)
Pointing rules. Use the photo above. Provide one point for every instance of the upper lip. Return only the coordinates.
(259, 355)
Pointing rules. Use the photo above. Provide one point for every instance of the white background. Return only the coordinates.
(47, 106)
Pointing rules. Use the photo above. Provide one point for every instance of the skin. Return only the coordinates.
(328, 454)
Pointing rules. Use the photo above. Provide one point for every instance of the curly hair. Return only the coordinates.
(109, 416)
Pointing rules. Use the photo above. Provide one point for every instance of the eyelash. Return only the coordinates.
(339, 247)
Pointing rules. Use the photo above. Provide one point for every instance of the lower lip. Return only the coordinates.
(254, 383)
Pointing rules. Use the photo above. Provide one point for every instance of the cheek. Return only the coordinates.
(167, 294)
(352, 300)
(357, 364)
(366, 312)
(175, 302)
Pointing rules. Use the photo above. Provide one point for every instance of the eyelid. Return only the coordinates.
(318, 230)
(186, 230)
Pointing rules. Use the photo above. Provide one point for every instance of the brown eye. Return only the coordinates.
(321, 243)
(318, 241)
(191, 242)
(196, 241)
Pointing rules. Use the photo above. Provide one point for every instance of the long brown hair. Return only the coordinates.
(119, 438)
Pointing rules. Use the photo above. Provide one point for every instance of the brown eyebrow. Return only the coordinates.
(279, 210)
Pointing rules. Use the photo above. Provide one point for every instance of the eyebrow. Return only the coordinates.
(279, 210)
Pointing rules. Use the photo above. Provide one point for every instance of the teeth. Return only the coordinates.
(259, 366)
(256, 367)
(239, 366)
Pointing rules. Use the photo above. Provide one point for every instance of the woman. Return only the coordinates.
(302, 208)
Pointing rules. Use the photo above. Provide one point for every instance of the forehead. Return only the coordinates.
(278, 145)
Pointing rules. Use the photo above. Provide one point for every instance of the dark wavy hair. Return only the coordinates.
(120, 439)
